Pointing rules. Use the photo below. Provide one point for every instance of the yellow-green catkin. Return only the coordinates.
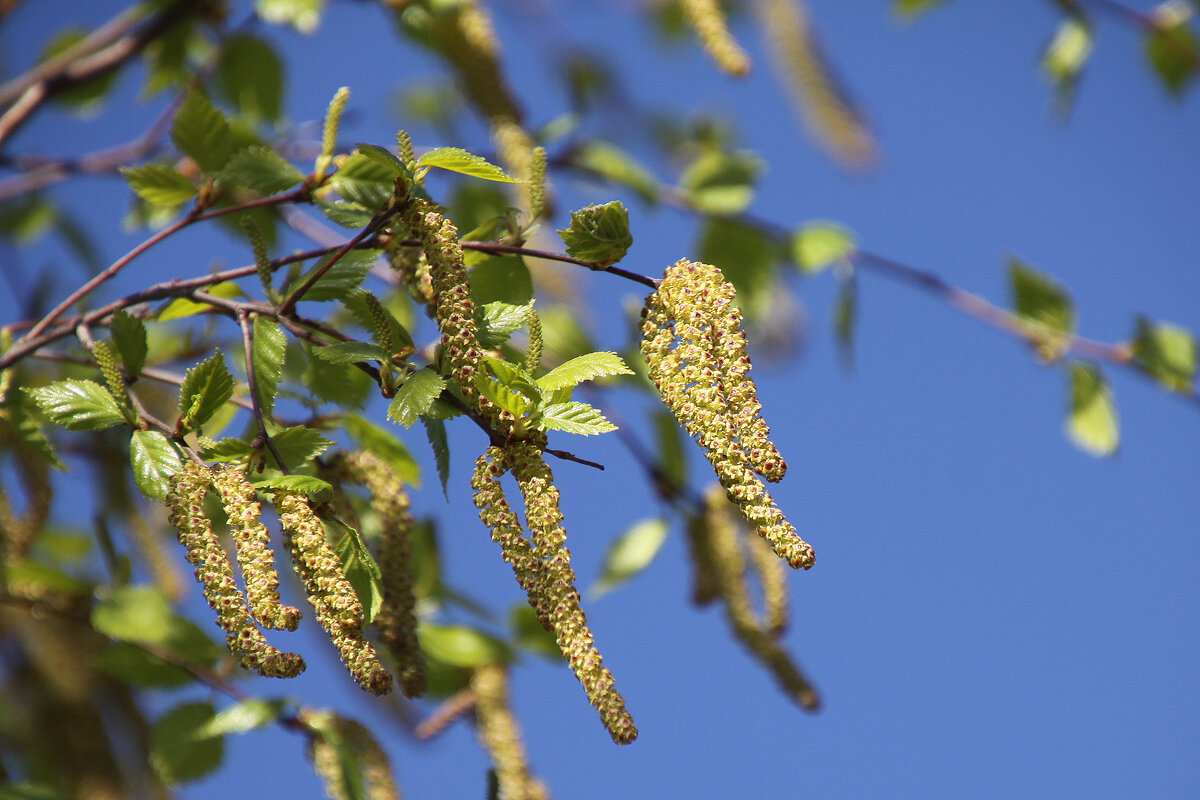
(252, 543)
(111, 370)
(335, 736)
(708, 20)
(329, 591)
(695, 349)
(185, 501)
(567, 619)
(396, 619)
(501, 736)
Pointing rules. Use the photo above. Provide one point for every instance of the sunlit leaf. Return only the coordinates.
(298, 445)
(129, 337)
(583, 368)
(631, 553)
(458, 160)
(182, 307)
(78, 405)
(270, 352)
(1036, 297)
(574, 417)
(340, 280)
(303, 15)
(414, 397)
(361, 569)
(140, 614)
(304, 484)
(1092, 420)
(243, 716)
(351, 353)
(159, 184)
(598, 233)
(461, 646)
(206, 387)
(817, 245)
(1167, 352)
(260, 169)
(720, 182)
(155, 459)
(201, 132)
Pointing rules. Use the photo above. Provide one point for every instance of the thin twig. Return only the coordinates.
(289, 303)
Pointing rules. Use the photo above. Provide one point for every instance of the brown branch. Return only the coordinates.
(289, 303)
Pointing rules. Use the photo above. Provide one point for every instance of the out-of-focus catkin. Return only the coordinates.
(708, 20)
(501, 736)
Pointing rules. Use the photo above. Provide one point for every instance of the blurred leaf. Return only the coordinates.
(78, 405)
(721, 182)
(341, 279)
(270, 353)
(598, 233)
(1092, 421)
(1167, 352)
(298, 445)
(361, 569)
(583, 368)
(346, 213)
(27, 219)
(250, 76)
(359, 304)
(35, 576)
(611, 162)
(140, 614)
(574, 417)
(303, 15)
(129, 337)
(669, 441)
(460, 646)
(384, 445)
(260, 169)
(414, 397)
(228, 450)
(159, 184)
(245, 715)
(86, 94)
(817, 245)
(529, 635)
(182, 307)
(562, 335)
(206, 387)
(1068, 52)
(202, 133)
(747, 256)
(845, 316)
(1171, 46)
(435, 431)
(155, 459)
(631, 553)
(180, 749)
(458, 160)
(133, 665)
(352, 353)
(911, 8)
(501, 278)
(19, 409)
(1036, 297)
(336, 383)
(30, 791)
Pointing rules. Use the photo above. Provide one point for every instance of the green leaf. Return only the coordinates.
(461, 646)
(1167, 352)
(456, 159)
(844, 318)
(201, 132)
(1036, 297)
(85, 95)
(352, 353)
(346, 213)
(342, 278)
(228, 450)
(1092, 420)
(270, 352)
(497, 321)
(304, 484)
(1068, 51)
(133, 665)
(529, 635)
(18, 408)
(384, 157)
(139, 614)
(502, 396)
(747, 255)
(365, 181)
(721, 183)
(260, 169)
(159, 184)
(206, 387)
(335, 383)
(1172, 48)
(298, 445)
(583, 368)
(244, 716)
(78, 405)
(672, 459)
(361, 569)
(435, 431)
(182, 307)
(303, 15)
(384, 445)
(155, 459)
(180, 748)
(817, 245)
(250, 76)
(30, 574)
(911, 8)
(501, 278)
(574, 417)
(129, 337)
(611, 162)
(415, 396)
(631, 553)
(598, 233)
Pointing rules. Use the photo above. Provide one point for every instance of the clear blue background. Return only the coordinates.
(993, 613)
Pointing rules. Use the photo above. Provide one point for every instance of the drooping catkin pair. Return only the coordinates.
(695, 348)
(240, 615)
(542, 565)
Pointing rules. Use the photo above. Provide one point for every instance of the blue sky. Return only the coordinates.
(993, 613)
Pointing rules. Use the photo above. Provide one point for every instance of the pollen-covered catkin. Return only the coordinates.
(185, 500)
(695, 349)
(707, 18)
(329, 591)
(501, 737)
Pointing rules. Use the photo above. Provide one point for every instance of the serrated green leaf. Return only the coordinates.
(270, 352)
(78, 405)
(363, 180)
(298, 445)
(155, 459)
(385, 445)
(260, 169)
(503, 279)
(1168, 353)
(502, 396)
(415, 396)
(574, 417)
(529, 635)
(456, 159)
(341, 279)
(352, 352)
(250, 76)
(228, 450)
(817, 245)
(202, 133)
(720, 182)
(206, 387)
(1172, 47)
(182, 307)
(304, 484)
(611, 162)
(461, 646)
(598, 233)
(435, 431)
(1092, 419)
(497, 321)
(303, 15)
(180, 750)
(631, 553)
(129, 337)
(139, 614)
(346, 213)
(361, 570)
(243, 716)
(583, 368)
(159, 184)
(1036, 297)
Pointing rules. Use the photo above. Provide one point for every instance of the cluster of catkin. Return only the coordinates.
(695, 348)
(542, 565)
(334, 600)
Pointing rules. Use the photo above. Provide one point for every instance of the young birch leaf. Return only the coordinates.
(154, 461)
(458, 160)
(610, 162)
(298, 445)
(501, 278)
(1067, 53)
(529, 635)
(341, 279)
(245, 716)
(497, 321)
(78, 405)
(460, 646)
(721, 183)
(129, 337)
(415, 396)
(1036, 297)
(346, 213)
(583, 368)
(180, 749)
(435, 431)
(361, 570)
(384, 157)
(159, 184)
(228, 450)
(631, 553)
(365, 181)
(260, 169)
(18, 408)
(202, 133)
(574, 417)
(1167, 352)
(250, 76)
(1172, 48)
(182, 307)
(270, 351)
(1092, 422)
(206, 387)
(140, 614)
(351, 353)
(598, 233)
(304, 484)
(911, 8)
(502, 396)
(817, 245)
